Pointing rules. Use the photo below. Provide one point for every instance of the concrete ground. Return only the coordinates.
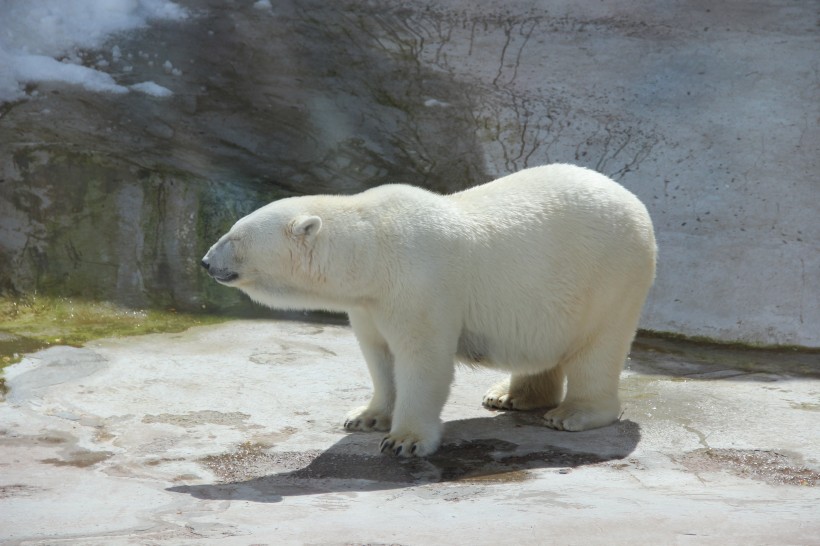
(231, 434)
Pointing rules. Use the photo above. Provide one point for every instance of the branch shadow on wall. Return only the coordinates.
(505, 448)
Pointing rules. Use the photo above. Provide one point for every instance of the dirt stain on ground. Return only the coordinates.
(770, 467)
(18, 490)
(81, 459)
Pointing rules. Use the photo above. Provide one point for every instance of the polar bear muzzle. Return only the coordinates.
(216, 263)
(219, 275)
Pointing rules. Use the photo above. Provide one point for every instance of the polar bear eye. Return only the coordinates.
(236, 240)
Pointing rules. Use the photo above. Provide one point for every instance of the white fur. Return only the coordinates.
(542, 273)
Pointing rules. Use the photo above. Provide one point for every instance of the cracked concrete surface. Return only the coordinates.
(232, 434)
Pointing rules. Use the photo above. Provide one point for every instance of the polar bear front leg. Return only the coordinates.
(377, 415)
(423, 381)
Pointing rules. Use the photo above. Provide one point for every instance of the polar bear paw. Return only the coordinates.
(494, 399)
(408, 445)
(365, 419)
(500, 397)
(573, 418)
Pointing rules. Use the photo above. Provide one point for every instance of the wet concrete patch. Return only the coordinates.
(64, 443)
(18, 490)
(770, 467)
(50, 439)
(65, 365)
(701, 360)
(205, 417)
(805, 406)
(47, 438)
(288, 352)
(80, 458)
(12, 346)
(164, 460)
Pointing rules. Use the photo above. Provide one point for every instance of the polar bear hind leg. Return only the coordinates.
(593, 373)
(527, 391)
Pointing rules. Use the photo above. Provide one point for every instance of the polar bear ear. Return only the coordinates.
(306, 226)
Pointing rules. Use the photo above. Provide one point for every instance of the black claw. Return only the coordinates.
(371, 423)
(386, 443)
(413, 449)
(397, 451)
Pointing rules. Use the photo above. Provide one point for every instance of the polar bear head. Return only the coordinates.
(296, 253)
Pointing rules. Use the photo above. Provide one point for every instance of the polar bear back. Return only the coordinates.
(557, 253)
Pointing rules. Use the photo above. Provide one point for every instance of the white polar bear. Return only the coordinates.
(542, 273)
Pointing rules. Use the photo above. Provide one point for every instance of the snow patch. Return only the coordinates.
(42, 40)
(432, 103)
(40, 68)
(153, 89)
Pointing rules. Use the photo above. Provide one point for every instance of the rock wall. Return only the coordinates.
(707, 111)
(119, 196)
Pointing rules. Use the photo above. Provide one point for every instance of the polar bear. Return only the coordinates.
(542, 273)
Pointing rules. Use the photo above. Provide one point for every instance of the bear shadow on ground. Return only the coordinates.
(500, 449)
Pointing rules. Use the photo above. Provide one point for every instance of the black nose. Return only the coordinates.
(205, 264)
